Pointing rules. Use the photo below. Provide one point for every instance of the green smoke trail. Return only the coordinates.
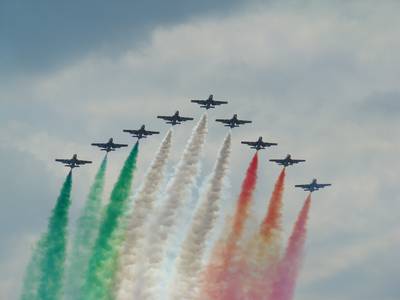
(45, 271)
(103, 262)
(32, 274)
(85, 235)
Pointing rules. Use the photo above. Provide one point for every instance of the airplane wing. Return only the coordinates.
(151, 132)
(296, 161)
(250, 143)
(243, 122)
(64, 161)
(322, 185)
(266, 144)
(279, 161)
(101, 145)
(132, 131)
(199, 101)
(302, 185)
(119, 145)
(225, 121)
(215, 102)
(185, 119)
(83, 162)
(167, 118)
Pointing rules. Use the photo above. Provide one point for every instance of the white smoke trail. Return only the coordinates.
(147, 274)
(135, 231)
(189, 261)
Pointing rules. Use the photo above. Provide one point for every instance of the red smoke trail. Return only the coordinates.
(288, 269)
(217, 272)
(273, 219)
(262, 252)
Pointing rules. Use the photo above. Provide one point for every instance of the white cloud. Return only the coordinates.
(349, 256)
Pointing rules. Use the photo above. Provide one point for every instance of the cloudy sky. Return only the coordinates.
(319, 79)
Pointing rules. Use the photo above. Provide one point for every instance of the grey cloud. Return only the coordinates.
(382, 104)
(24, 205)
(22, 214)
(41, 35)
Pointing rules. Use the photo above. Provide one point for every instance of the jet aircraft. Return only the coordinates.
(313, 186)
(287, 161)
(234, 122)
(259, 144)
(209, 103)
(175, 119)
(141, 133)
(109, 146)
(74, 162)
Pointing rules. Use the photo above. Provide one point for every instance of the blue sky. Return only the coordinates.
(319, 79)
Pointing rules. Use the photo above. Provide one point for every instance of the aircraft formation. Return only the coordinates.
(177, 119)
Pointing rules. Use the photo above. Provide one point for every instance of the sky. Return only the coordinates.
(318, 78)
